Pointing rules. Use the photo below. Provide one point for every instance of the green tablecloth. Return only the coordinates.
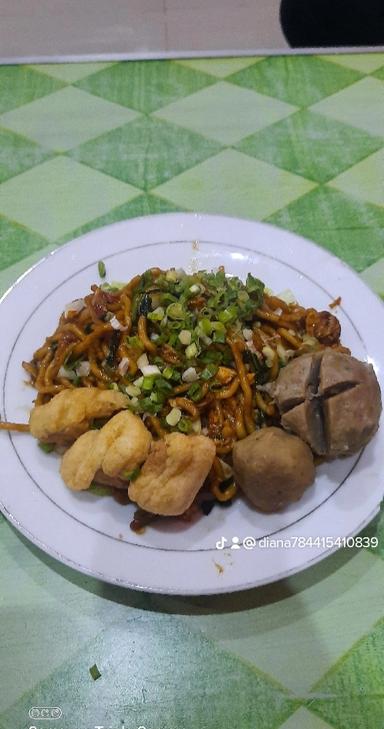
(298, 142)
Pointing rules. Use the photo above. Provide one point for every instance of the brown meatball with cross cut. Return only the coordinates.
(331, 400)
(272, 468)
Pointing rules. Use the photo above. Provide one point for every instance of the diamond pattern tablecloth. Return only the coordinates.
(294, 141)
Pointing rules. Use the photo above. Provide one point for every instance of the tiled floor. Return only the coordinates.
(51, 27)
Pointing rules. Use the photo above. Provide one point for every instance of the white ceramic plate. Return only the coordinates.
(92, 533)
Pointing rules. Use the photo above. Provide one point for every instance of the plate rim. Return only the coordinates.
(199, 219)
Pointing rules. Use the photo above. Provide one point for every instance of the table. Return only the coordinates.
(294, 141)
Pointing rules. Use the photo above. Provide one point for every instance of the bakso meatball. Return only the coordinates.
(272, 468)
(331, 400)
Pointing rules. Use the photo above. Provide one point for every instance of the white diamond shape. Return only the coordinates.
(364, 180)
(60, 195)
(359, 105)
(235, 184)
(66, 118)
(304, 719)
(226, 112)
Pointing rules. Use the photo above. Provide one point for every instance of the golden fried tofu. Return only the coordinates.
(81, 461)
(70, 412)
(118, 447)
(126, 443)
(173, 473)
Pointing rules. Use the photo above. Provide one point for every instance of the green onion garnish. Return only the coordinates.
(94, 671)
(209, 371)
(191, 351)
(131, 475)
(47, 447)
(99, 490)
(219, 336)
(176, 311)
(168, 373)
(148, 383)
(184, 425)
(101, 268)
(135, 342)
(195, 392)
(162, 385)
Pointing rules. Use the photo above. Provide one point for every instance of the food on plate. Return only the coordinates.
(331, 400)
(273, 468)
(114, 451)
(71, 413)
(181, 388)
(173, 473)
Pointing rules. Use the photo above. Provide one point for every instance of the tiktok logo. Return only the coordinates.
(220, 544)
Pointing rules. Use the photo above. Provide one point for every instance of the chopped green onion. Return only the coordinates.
(99, 490)
(47, 447)
(228, 315)
(131, 475)
(142, 361)
(101, 268)
(191, 351)
(162, 385)
(113, 386)
(173, 339)
(148, 382)
(135, 342)
(255, 288)
(205, 326)
(209, 371)
(173, 417)
(194, 289)
(185, 336)
(149, 370)
(148, 406)
(196, 426)
(190, 375)
(218, 326)
(219, 336)
(168, 373)
(94, 671)
(211, 356)
(176, 311)
(195, 392)
(157, 314)
(243, 296)
(184, 425)
(171, 275)
(132, 390)
(133, 403)
(139, 381)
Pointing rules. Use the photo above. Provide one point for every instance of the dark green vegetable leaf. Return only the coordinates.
(255, 288)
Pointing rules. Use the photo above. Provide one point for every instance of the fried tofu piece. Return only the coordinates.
(81, 461)
(173, 473)
(118, 447)
(125, 441)
(70, 412)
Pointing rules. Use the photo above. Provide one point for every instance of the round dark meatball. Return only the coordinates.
(272, 468)
(331, 400)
